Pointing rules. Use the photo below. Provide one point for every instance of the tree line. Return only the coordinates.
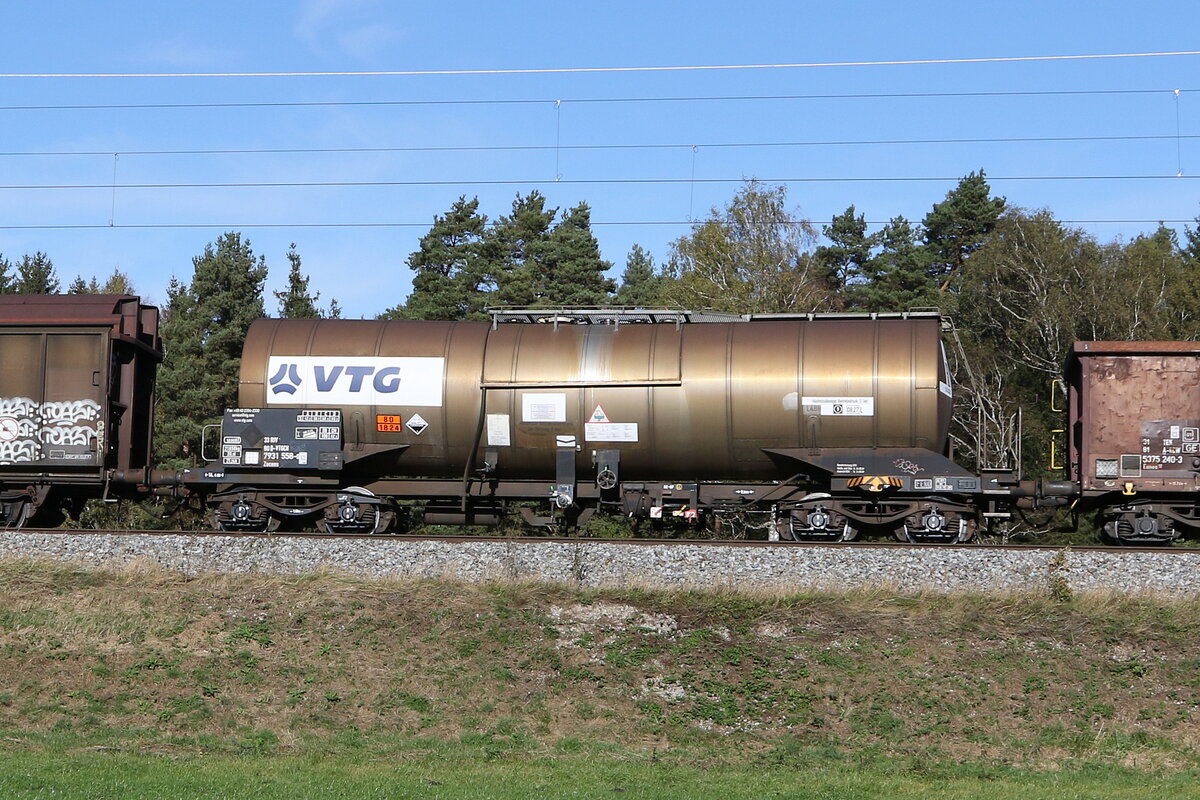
(1019, 285)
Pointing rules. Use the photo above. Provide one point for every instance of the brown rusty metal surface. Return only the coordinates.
(693, 399)
(1148, 348)
(124, 313)
(76, 385)
(1135, 406)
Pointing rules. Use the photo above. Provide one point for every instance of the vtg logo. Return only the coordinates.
(355, 380)
(286, 379)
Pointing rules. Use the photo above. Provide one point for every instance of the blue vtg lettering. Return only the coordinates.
(355, 381)
(385, 381)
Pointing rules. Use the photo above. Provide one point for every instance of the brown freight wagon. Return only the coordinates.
(1134, 437)
(76, 396)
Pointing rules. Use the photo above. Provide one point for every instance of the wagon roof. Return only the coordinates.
(70, 309)
(1084, 349)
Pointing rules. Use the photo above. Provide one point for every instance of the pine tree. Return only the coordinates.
(842, 263)
(957, 227)
(513, 250)
(1190, 251)
(572, 269)
(117, 283)
(295, 302)
(450, 279)
(641, 285)
(5, 275)
(35, 275)
(897, 277)
(204, 326)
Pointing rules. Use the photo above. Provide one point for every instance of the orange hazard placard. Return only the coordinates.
(388, 423)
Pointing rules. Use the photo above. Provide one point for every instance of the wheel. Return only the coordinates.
(240, 517)
(365, 518)
(13, 515)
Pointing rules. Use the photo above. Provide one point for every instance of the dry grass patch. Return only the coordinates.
(258, 663)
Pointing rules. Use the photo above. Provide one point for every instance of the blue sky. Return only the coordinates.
(363, 267)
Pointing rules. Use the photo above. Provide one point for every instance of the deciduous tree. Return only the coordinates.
(752, 256)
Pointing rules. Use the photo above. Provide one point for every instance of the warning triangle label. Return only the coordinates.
(598, 415)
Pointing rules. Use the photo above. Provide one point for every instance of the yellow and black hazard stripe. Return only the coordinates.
(875, 483)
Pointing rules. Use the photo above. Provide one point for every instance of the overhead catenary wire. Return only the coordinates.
(578, 70)
(592, 100)
(579, 182)
(634, 146)
(558, 146)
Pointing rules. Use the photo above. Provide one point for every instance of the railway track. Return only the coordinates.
(640, 542)
(782, 568)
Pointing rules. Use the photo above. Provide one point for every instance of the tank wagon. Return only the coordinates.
(838, 424)
(76, 396)
(1133, 438)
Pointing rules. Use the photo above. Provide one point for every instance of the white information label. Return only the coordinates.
(498, 430)
(610, 431)
(355, 381)
(231, 454)
(840, 406)
(544, 407)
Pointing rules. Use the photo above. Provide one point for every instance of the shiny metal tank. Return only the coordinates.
(696, 400)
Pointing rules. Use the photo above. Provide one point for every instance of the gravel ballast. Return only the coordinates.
(654, 565)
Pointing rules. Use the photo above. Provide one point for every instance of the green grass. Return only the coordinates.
(468, 773)
(139, 676)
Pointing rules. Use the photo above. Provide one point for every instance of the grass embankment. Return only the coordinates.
(130, 681)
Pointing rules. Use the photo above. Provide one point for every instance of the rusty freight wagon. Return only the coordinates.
(76, 394)
(1133, 437)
